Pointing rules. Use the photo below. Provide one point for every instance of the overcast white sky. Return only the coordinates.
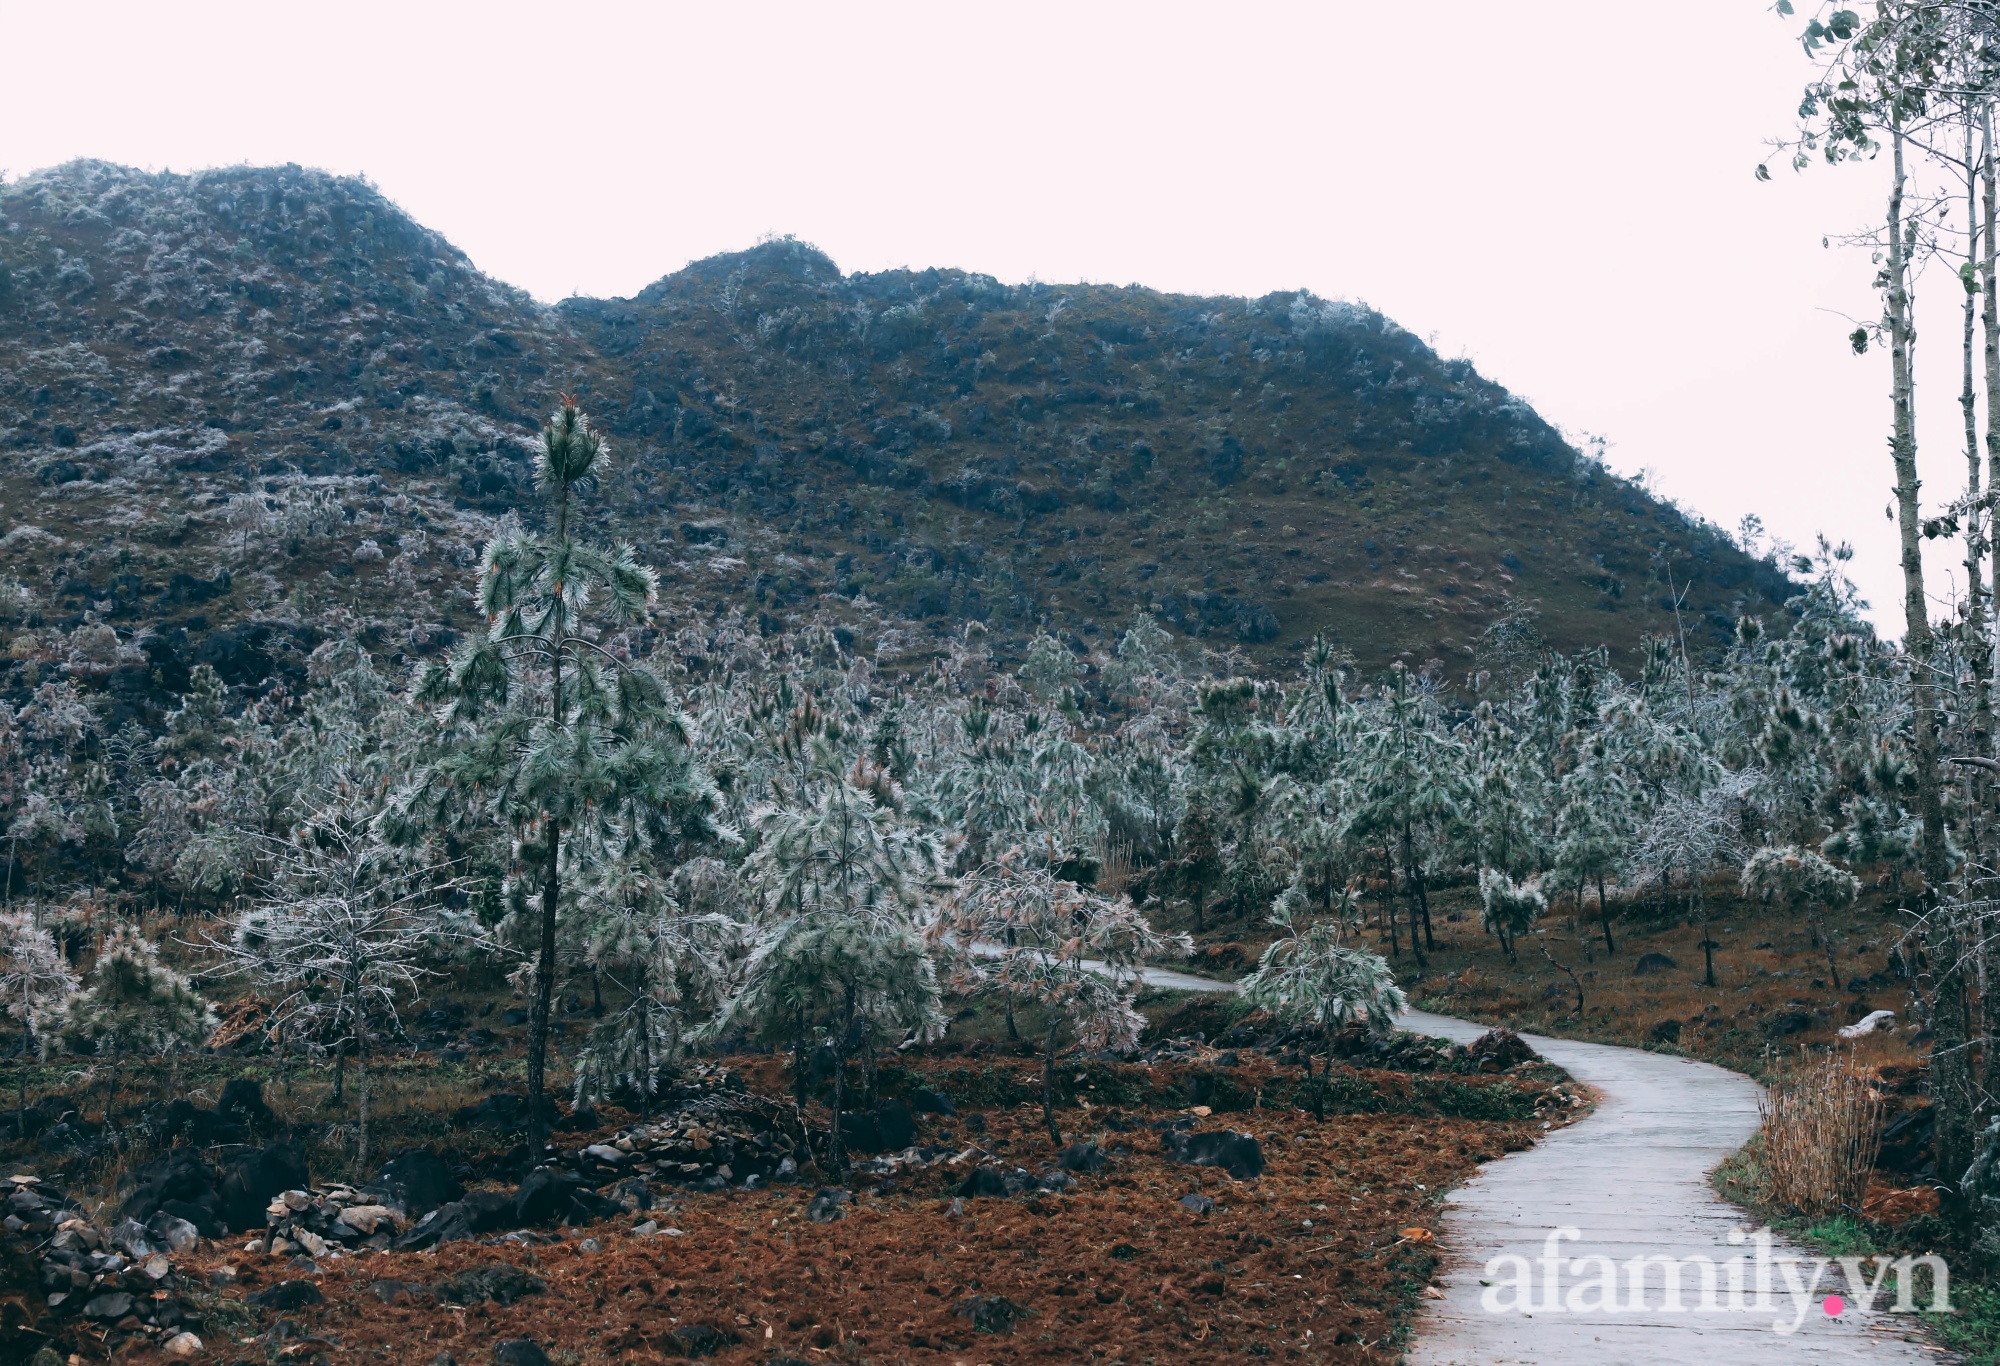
(1559, 189)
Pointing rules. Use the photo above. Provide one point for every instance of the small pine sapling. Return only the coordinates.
(1803, 881)
(1509, 909)
(1310, 980)
(134, 1006)
(1031, 935)
(35, 985)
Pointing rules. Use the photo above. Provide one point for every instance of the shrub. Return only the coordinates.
(1822, 1127)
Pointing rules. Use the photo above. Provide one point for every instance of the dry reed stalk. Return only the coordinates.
(1822, 1128)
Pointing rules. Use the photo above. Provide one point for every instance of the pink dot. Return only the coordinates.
(1833, 1305)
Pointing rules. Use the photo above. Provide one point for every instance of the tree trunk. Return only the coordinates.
(361, 1103)
(1989, 258)
(1975, 525)
(836, 1149)
(799, 1063)
(1604, 914)
(1950, 1071)
(1049, 1078)
(1825, 938)
(545, 990)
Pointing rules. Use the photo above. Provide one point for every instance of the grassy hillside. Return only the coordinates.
(250, 407)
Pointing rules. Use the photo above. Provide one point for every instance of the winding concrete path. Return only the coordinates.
(1632, 1180)
(1628, 1181)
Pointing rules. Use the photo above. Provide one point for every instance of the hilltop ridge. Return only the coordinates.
(252, 405)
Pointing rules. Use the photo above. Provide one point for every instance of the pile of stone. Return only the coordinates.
(313, 1222)
(119, 1281)
(714, 1140)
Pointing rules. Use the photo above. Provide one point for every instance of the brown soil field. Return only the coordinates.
(1323, 1258)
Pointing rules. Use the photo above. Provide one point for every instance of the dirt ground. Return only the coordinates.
(1321, 1259)
(1774, 989)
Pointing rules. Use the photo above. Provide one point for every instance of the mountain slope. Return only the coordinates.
(251, 406)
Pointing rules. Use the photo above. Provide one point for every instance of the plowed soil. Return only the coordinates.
(1321, 1259)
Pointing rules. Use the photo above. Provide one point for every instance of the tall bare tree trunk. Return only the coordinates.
(1049, 1078)
(1950, 1068)
(1988, 257)
(545, 988)
(1975, 524)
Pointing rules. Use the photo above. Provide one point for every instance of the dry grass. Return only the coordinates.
(1822, 1127)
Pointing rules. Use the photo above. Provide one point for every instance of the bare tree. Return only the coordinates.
(349, 924)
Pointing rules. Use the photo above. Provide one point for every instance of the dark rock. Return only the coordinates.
(503, 1111)
(1787, 1022)
(1197, 1202)
(545, 1196)
(1082, 1157)
(478, 1212)
(632, 1194)
(502, 1282)
(112, 1305)
(288, 1295)
(1650, 963)
(987, 1181)
(243, 1101)
(1497, 1050)
(1238, 1154)
(182, 1121)
(886, 1128)
(391, 1291)
(252, 1179)
(129, 1235)
(183, 1185)
(991, 1313)
(699, 1339)
(1907, 1140)
(828, 1204)
(519, 1352)
(927, 1102)
(1665, 1031)
(416, 1181)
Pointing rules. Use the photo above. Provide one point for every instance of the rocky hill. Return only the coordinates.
(251, 406)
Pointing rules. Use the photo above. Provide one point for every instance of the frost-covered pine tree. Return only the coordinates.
(134, 1006)
(1802, 881)
(839, 956)
(1017, 928)
(548, 728)
(668, 945)
(1412, 792)
(1310, 979)
(1509, 909)
(35, 985)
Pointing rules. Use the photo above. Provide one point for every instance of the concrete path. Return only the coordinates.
(1632, 1180)
(1629, 1181)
